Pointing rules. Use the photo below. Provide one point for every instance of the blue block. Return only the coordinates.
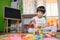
(37, 36)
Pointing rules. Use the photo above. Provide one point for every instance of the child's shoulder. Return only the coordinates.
(43, 18)
(34, 17)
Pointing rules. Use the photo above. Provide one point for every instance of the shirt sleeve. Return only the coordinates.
(44, 22)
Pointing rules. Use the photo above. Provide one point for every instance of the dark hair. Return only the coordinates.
(42, 9)
(15, 0)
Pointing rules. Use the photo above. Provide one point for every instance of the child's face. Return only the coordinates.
(39, 14)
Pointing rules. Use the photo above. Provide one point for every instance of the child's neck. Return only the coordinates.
(39, 17)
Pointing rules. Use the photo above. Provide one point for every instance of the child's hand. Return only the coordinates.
(48, 35)
(41, 38)
(44, 25)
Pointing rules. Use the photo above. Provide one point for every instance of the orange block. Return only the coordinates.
(22, 34)
(25, 39)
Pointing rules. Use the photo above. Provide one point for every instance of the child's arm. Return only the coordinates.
(45, 23)
(30, 23)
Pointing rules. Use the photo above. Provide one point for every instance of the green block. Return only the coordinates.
(33, 39)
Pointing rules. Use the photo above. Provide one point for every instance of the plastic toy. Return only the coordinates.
(14, 37)
(31, 30)
(50, 39)
(41, 30)
(37, 36)
(30, 36)
(33, 39)
(25, 39)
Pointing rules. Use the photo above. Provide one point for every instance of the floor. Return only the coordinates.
(5, 36)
